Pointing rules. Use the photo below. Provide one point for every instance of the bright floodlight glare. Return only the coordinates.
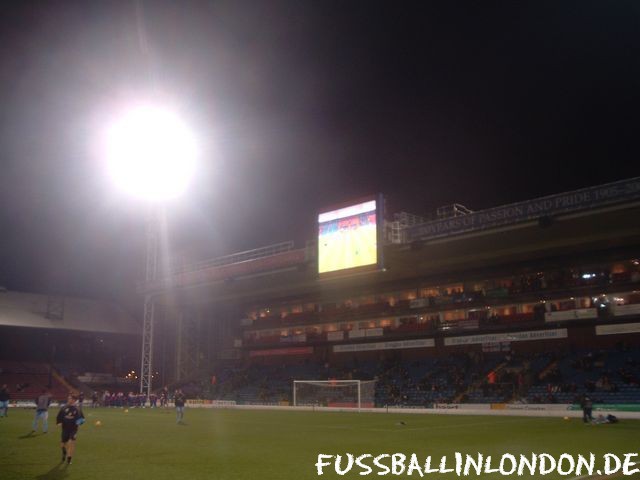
(151, 153)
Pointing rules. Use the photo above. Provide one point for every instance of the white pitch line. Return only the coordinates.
(434, 427)
(426, 427)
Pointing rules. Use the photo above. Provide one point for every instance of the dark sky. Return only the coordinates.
(298, 105)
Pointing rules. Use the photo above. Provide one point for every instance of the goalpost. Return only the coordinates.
(334, 393)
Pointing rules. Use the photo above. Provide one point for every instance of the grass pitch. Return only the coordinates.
(284, 445)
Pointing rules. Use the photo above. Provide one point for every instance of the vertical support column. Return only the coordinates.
(146, 369)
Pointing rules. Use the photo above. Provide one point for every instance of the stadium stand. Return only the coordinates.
(610, 376)
(480, 307)
(26, 380)
(531, 302)
(48, 341)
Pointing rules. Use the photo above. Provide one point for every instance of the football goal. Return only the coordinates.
(334, 393)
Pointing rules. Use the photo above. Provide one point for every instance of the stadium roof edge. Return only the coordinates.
(581, 200)
(595, 200)
(33, 310)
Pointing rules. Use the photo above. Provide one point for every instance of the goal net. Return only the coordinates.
(334, 393)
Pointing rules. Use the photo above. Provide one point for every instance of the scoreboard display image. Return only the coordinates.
(348, 237)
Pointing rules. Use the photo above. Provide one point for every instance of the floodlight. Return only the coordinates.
(150, 153)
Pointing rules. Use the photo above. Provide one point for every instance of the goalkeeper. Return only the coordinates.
(70, 417)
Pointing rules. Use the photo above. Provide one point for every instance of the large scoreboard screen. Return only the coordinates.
(348, 237)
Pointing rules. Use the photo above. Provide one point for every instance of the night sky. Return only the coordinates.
(298, 105)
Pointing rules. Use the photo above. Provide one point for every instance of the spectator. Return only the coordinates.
(4, 401)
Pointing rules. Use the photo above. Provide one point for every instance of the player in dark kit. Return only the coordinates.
(179, 400)
(4, 401)
(587, 408)
(164, 397)
(70, 417)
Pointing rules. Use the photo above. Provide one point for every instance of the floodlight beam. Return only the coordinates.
(150, 153)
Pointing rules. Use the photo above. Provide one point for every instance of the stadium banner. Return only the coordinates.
(562, 203)
(576, 314)
(622, 411)
(500, 292)
(507, 337)
(335, 336)
(608, 407)
(31, 405)
(622, 310)
(469, 324)
(399, 345)
(443, 300)
(299, 338)
(530, 407)
(357, 333)
(534, 410)
(350, 405)
(460, 406)
(374, 332)
(419, 303)
(233, 270)
(197, 403)
(366, 332)
(496, 347)
(281, 351)
(617, 329)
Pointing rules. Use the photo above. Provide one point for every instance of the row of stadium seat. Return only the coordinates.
(542, 377)
(25, 380)
(541, 282)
